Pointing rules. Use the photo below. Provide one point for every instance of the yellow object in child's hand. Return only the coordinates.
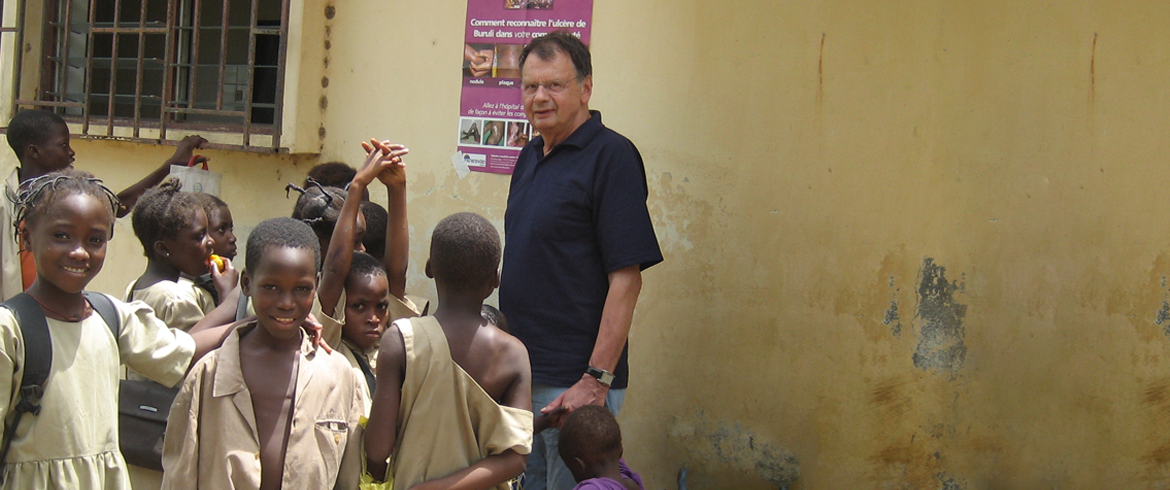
(218, 261)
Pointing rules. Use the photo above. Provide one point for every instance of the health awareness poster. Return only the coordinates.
(492, 127)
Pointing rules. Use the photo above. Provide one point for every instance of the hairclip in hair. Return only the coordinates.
(309, 184)
(35, 187)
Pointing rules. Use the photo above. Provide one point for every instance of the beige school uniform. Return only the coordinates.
(212, 443)
(73, 442)
(10, 280)
(446, 421)
(399, 308)
(181, 304)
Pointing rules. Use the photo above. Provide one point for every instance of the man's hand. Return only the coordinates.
(587, 391)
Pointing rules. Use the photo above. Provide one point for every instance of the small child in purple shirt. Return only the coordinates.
(590, 443)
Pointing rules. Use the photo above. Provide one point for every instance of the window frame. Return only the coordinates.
(279, 137)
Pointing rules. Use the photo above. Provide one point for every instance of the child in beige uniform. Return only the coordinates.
(268, 410)
(173, 229)
(452, 407)
(73, 441)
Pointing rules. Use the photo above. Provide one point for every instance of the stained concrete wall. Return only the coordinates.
(909, 245)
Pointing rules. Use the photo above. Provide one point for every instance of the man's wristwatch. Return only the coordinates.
(605, 377)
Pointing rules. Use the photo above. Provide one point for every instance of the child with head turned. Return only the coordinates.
(452, 406)
(590, 443)
(268, 410)
(40, 140)
(221, 229)
(71, 440)
(173, 229)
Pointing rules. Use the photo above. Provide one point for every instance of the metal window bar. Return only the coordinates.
(176, 95)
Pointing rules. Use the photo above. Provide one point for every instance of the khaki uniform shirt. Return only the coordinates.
(212, 441)
(181, 304)
(73, 442)
(399, 308)
(446, 421)
(10, 281)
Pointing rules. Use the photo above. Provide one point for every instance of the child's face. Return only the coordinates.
(282, 287)
(367, 301)
(68, 241)
(191, 246)
(222, 229)
(56, 154)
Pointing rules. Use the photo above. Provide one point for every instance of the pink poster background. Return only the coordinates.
(492, 127)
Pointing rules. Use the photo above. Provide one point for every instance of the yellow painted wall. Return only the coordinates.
(811, 165)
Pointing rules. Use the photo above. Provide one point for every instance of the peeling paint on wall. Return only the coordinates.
(940, 338)
(737, 447)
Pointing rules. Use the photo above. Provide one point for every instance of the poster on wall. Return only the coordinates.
(492, 127)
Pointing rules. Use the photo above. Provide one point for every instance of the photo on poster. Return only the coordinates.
(493, 133)
(469, 131)
(517, 134)
(491, 60)
(528, 4)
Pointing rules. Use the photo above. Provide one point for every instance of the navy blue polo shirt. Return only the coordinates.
(573, 217)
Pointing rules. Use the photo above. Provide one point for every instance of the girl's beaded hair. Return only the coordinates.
(37, 194)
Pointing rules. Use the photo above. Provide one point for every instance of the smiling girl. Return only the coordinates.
(72, 440)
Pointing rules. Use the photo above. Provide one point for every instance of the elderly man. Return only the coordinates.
(578, 236)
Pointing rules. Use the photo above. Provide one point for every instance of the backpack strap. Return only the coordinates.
(242, 308)
(104, 307)
(38, 357)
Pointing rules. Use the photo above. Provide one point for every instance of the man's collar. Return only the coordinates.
(582, 135)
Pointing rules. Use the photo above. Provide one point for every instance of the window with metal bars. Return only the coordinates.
(147, 66)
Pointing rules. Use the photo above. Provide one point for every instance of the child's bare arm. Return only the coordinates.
(340, 253)
(488, 473)
(382, 427)
(129, 196)
(397, 255)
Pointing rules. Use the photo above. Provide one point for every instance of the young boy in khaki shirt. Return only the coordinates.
(453, 402)
(268, 410)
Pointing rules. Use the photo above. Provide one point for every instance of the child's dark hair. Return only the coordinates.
(42, 192)
(31, 127)
(332, 174)
(280, 232)
(161, 213)
(208, 202)
(494, 316)
(590, 433)
(465, 251)
(364, 264)
(319, 207)
(376, 222)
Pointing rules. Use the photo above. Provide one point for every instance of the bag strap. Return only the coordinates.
(242, 308)
(104, 307)
(364, 364)
(38, 358)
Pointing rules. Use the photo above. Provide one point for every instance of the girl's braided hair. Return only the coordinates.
(38, 194)
(319, 206)
(162, 212)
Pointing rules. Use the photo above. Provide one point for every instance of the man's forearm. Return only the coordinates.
(616, 317)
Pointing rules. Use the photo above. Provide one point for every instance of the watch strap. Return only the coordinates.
(603, 376)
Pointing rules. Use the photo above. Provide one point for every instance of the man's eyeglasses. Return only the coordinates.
(552, 87)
